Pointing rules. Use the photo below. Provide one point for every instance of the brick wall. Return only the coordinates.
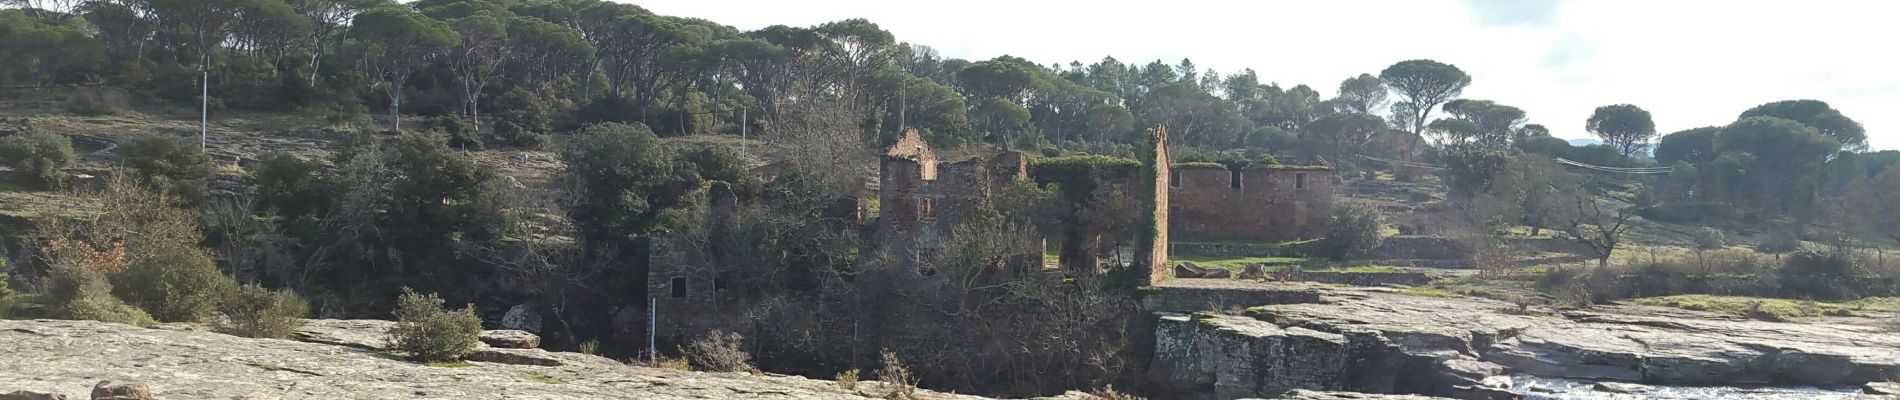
(1264, 203)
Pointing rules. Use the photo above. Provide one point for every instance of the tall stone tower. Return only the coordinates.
(1151, 241)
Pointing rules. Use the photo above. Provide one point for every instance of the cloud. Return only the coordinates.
(1569, 50)
(1532, 13)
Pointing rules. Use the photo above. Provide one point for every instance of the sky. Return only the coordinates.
(1691, 63)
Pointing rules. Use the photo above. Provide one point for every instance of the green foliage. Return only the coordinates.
(1625, 126)
(626, 178)
(848, 380)
(1695, 146)
(292, 188)
(1354, 230)
(1816, 275)
(257, 312)
(38, 155)
(169, 165)
(425, 331)
(173, 284)
(1470, 168)
(1078, 176)
(1818, 115)
(6, 294)
(76, 292)
(1424, 84)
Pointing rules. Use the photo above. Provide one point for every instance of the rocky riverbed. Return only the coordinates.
(1380, 341)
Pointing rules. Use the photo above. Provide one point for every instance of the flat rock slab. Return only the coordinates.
(1323, 395)
(1674, 349)
(511, 339)
(70, 357)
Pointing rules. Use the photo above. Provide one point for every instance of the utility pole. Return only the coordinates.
(652, 312)
(204, 108)
(745, 122)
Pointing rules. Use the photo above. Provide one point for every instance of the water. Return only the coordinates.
(1536, 388)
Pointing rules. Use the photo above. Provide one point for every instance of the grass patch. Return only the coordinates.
(451, 364)
(1777, 308)
(537, 376)
(1238, 263)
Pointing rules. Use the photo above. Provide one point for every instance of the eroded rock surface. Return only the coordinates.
(1371, 340)
(69, 357)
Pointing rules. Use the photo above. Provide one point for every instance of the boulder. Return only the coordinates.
(1217, 273)
(1882, 388)
(1188, 270)
(120, 390)
(515, 356)
(521, 317)
(25, 395)
(511, 339)
(1253, 271)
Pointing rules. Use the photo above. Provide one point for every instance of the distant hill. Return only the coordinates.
(1584, 142)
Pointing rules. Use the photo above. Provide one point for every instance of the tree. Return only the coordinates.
(398, 41)
(624, 179)
(40, 156)
(167, 165)
(1494, 123)
(1361, 94)
(477, 59)
(999, 117)
(1694, 146)
(1775, 155)
(1625, 126)
(1424, 84)
(1595, 224)
(1340, 135)
(1818, 115)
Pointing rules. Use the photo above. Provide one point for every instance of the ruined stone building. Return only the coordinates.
(920, 199)
(1264, 203)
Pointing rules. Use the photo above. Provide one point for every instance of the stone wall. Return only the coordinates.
(921, 199)
(1419, 248)
(1365, 278)
(1269, 203)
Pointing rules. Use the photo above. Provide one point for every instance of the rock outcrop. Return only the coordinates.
(1378, 341)
(49, 358)
(510, 339)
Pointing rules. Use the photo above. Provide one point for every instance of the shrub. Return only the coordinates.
(427, 332)
(173, 284)
(590, 347)
(1710, 238)
(6, 294)
(1353, 231)
(848, 379)
(1817, 275)
(897, 377)
(96, 102)
(257, 312)
(38, 155)
(76, 292)
(718, 351)
(170, 166)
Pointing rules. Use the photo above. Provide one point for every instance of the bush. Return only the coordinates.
(173, 284)
(6, 294)
(38, 155)
(718, 351)
(95, 102)
(897, 377)
(1353, 231)
(76, 292)
(256, 312)
(1816, 275)
(427, 332)
(848, 379)
(170, 166)
(1780, 241)
(1710, 238)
